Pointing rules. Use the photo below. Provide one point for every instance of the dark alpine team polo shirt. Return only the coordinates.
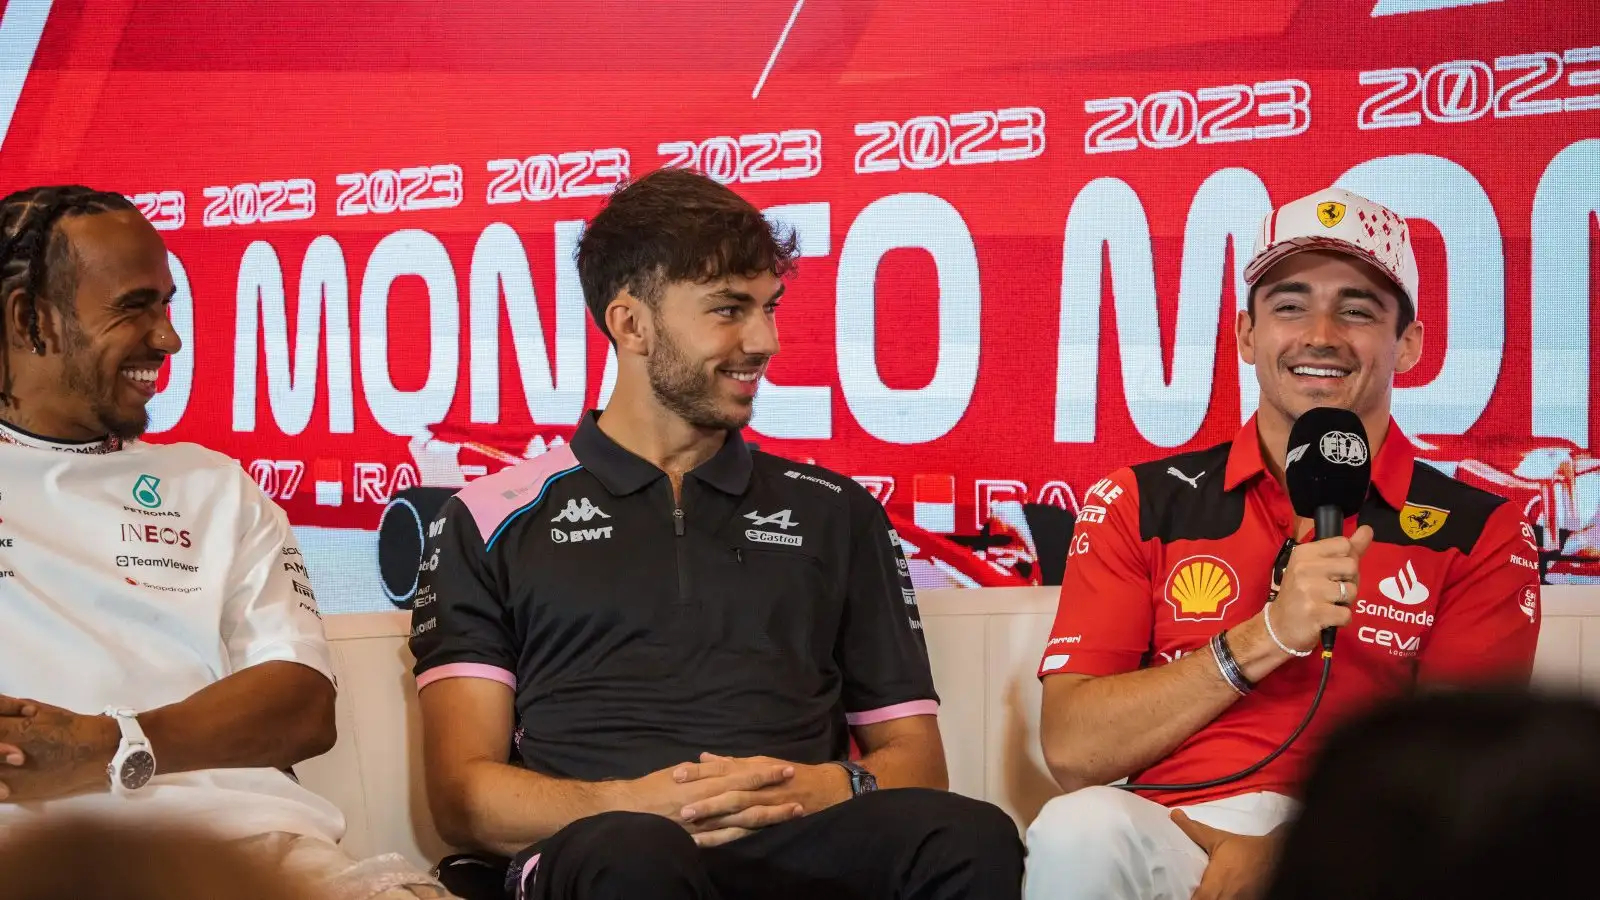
(763, 615)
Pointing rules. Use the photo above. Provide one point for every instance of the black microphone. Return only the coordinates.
(1328, 471)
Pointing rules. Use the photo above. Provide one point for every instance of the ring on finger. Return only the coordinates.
(1344, 589)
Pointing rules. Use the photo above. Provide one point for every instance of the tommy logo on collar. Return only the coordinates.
(782, 520)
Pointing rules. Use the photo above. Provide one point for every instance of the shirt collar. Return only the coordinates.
(1391, 470)
(11, 434)
(622, 472)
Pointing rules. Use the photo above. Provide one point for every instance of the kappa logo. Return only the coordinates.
(580, 511)
(1419, 521)
(1330, 213)
(1404, 587)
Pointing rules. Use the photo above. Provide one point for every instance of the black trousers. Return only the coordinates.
(906, 844)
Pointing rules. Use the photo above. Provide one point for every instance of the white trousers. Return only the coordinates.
(1108, 844)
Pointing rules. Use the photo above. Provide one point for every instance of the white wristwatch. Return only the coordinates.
(135, 763)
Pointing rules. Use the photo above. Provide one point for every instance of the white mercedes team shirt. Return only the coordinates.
(136, 578)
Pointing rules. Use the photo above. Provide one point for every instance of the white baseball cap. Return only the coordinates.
(1335, 219)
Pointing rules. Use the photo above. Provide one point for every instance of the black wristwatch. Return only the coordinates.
(861, 781)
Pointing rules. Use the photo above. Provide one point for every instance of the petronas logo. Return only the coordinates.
(144, 492)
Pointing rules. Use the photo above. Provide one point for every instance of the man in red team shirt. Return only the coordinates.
(1433, 582)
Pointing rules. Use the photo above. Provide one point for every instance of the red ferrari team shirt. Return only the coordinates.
(1168, 553)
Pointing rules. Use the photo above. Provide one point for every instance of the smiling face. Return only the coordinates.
(1325, 332)
(710, 346)
(106, 343)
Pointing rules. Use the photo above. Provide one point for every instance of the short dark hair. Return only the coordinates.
(675, 225)
(1483, 794)
(32, 256)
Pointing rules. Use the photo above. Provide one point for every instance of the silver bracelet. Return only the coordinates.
(1266, 616)
(1228, 666)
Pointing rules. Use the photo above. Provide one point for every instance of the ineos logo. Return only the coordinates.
(1343, 448)
(155, 534)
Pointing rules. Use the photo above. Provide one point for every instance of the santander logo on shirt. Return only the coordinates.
(1404, 587)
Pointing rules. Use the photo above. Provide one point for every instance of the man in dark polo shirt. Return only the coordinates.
(1167, 665)
(676, 636)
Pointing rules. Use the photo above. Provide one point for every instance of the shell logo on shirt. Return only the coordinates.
(1201, 588)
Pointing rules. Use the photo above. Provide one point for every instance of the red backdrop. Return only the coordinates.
(1023, 224)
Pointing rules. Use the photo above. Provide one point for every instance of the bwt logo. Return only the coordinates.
(155, 534)
(579, 535)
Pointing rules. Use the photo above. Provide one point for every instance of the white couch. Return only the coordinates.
(985, 645)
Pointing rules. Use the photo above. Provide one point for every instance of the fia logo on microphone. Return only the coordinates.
(1343, 448)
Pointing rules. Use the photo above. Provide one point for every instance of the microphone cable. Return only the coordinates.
(1278, 568)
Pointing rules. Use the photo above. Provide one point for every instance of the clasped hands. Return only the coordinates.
(47, 751)
(721, 799)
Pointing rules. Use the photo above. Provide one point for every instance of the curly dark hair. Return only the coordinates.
(675, 225)
(34, 259)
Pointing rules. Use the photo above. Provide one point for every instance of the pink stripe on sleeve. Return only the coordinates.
(467, 670)
(527, 869)
(897, 711)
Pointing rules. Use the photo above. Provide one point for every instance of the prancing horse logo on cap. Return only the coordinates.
(1330, 213)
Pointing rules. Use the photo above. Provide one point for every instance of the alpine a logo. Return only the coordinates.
(779, 518)
(579, 511)
(782, 519)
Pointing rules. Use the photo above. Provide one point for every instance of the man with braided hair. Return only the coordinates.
(164, 656)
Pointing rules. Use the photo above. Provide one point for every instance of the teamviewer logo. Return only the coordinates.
(122, 562)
